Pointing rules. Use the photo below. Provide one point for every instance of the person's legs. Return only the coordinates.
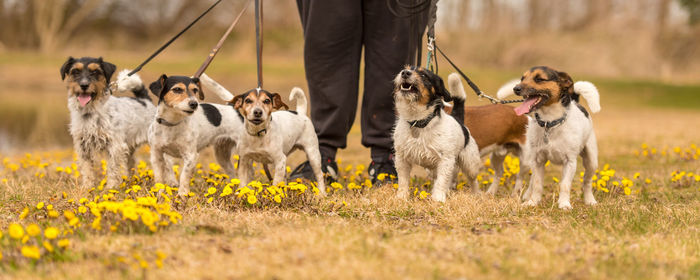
(386, 40)
(332, 52)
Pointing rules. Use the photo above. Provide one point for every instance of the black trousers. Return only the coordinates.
(335, 32)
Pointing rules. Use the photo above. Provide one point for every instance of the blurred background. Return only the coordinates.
(643, 53)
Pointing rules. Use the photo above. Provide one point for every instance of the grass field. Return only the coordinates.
(357, 232)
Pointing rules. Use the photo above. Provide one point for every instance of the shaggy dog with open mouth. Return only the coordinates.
(426, 136)
(100, 122)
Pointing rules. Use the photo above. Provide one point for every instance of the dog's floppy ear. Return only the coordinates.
(237, 101)
(108, 68)
(565, 82)
(277, 102)
(439, 87)
(66, 67)
(199, 85)
(158, 86)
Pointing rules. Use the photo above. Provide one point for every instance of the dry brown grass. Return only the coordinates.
(650, 234)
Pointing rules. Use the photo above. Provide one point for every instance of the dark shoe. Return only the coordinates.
(328, 166)
(387, 168)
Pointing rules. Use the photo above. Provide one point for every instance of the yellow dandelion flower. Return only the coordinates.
(49, 207)
(210, 191)
(31, 252)
(16, 231)
(423, 195)
(40, 205)
(556, 180)
(278, 199)
(33, 230)
(82, 209)
(53, 214)
(648, 181)
(24, 213)
(628, 191)
(252, 199)
(51, 233)
(64, 243)
(48, 246)
(210, 199)
(382, 176)
(74, 221)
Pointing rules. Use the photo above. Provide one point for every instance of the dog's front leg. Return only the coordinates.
(403, 170)
(517, 189)
(118, 152)
(245, 170)
(279, 163)
(497, 159)
(535, 188)
(189, 161)
(445, 173)
(87, 167)
(568, 172)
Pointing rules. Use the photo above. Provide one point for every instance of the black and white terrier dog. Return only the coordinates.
(183, 127)
(100, 122)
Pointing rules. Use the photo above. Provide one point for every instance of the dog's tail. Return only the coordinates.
(216, 88)
(299, 96)
(131, 83)
(459, 96)
(507, 89)
(590, 93)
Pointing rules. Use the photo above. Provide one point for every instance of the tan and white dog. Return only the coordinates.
(559, 130)
(272, 134)
(426, 136)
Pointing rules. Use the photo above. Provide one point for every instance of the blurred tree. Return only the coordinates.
(54, 22)
(693, 8)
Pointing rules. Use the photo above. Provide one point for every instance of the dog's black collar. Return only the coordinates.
(549, 124)
(261, 132)
(424, 122)
(162, 121)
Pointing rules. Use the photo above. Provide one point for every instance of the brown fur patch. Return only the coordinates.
(93, 66)
(495, 124)
(172, 98)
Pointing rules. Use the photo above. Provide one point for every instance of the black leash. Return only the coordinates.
(258, 49)
(217, 47)
(138, 68)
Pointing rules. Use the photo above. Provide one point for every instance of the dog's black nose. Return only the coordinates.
(257, 113)
(193, 104)
(84, 87)
(405, 73)
(517, 90)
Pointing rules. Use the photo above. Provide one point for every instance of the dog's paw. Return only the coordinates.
(529, 203)
(590, 202)
(403, 195)
(439, 197)
(565, 205)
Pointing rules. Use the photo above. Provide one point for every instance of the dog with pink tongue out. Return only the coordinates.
(559, 130)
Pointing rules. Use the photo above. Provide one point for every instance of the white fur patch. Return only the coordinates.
(297, 95)
(590, 93)
(506, 89)
(216, 88)
(454, 81)
(127, 83)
